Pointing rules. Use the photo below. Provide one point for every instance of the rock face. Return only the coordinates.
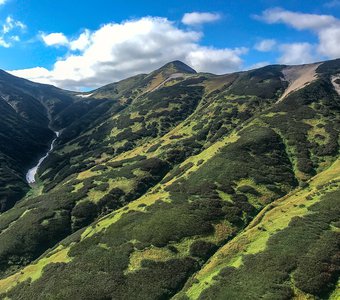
(173, 184)
(298, 77)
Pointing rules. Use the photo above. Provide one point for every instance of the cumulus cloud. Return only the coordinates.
(81, 42)
(57, 39)
(265, 45)
(215, 60)
(196, 18)
(119, 50)
(330, 42)
(37, 74)
(296, 53)
(326, 27)
(54, 39)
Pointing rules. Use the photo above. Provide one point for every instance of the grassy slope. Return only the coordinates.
(138, 205)
(52, 218)
(108, 221)
(162, 236)
(253, 239)
(55, 218)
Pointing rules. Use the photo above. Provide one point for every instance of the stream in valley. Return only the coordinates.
(30, 176)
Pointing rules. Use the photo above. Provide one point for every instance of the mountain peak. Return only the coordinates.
(169, 71)
(177, 66)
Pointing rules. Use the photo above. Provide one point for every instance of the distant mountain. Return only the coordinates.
(173, 184)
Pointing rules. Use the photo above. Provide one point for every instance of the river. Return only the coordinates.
(30, 176)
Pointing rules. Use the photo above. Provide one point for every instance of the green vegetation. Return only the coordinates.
(304, 253)
(175, 184)
(275, 228)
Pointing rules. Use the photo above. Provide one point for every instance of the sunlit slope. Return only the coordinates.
(150, 184)
(288, 250)
(119, 177)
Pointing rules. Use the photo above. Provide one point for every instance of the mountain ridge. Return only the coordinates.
(150, 177)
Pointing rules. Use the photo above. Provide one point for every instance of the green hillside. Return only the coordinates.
(30, 112)
(173, 184)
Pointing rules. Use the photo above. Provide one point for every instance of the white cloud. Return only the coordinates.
(215, 60)
(330, 42)
(59, 39)
(326, 27)
(297, 20)
(11, 24)
(37, 74)
(2, 2)
(119, 50)
(3, 43)
(196, 18)
(81, 42)
(55, 39)
(296, 53)
(265, 45)
(15, 38)
(10, 30)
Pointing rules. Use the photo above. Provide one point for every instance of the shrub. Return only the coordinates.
(202, 249)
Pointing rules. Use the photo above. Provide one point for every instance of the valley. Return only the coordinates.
(30, 176)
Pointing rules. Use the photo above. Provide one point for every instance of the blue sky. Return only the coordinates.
(84, 44)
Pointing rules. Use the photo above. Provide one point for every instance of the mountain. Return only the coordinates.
(30, 112)
(174, 184)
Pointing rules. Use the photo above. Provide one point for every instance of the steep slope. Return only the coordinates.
(26, 109)
(110, 185)
(298, 77)
(31, 112)
(289, 248)
(170, 169)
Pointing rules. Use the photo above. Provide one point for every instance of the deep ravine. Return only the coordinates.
(30, 176)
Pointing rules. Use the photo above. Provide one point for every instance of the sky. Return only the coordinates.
(82, 45)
